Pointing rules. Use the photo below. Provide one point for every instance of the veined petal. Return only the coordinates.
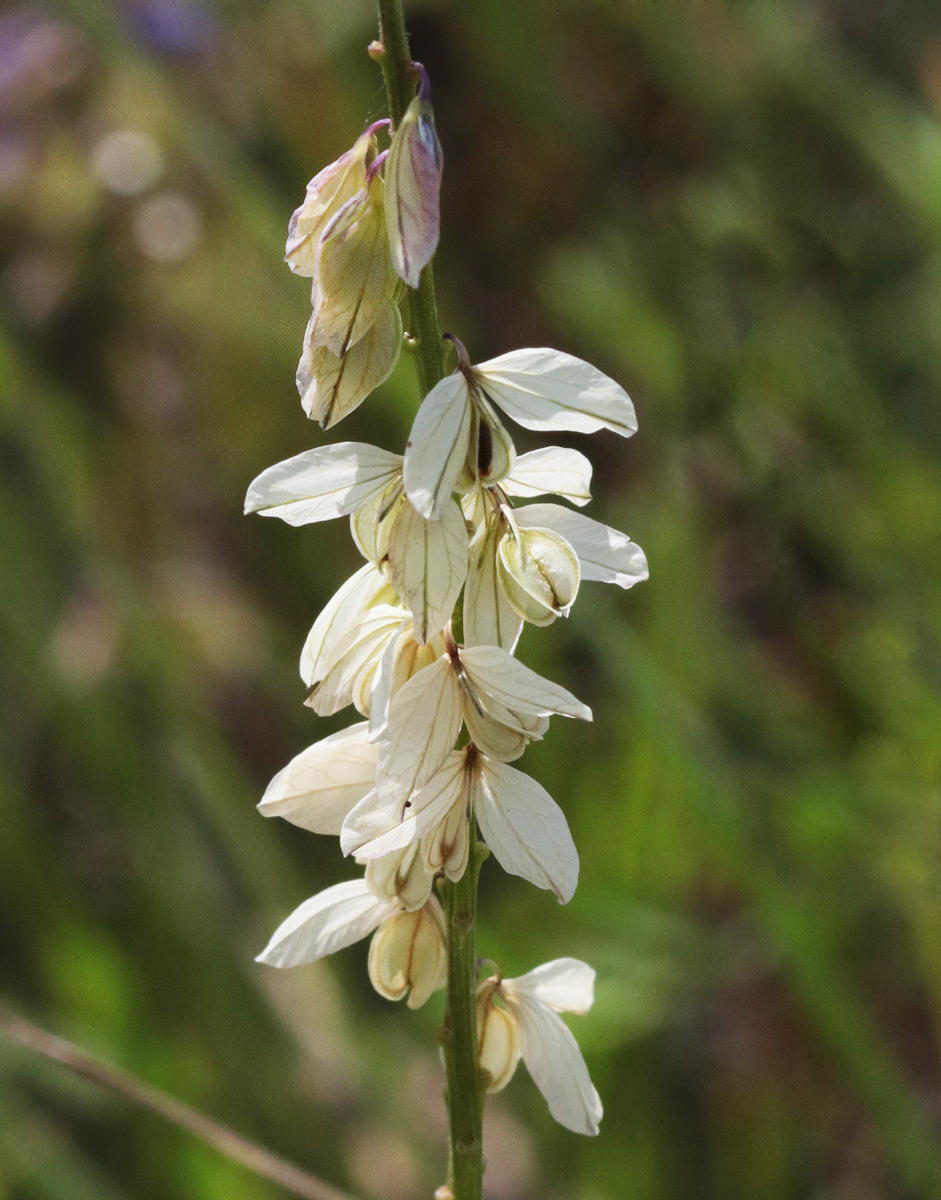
(332, 386)
(553, 469)
(498, 674)
(428, 560)
(539, 572)
(437, 445)
(525, 828)
(424, 721)
(355, 280)
(413, 181)
(374, 828)
(320, 785)
(327, 192)
(498, 732)
(401, 876)
(555, 1062)
(546, 389)
(565, 984)
(409, 954)
(320, 484)
(489, 618)
(605, 554)
(360, 650)
(343, 612)
(329, 921)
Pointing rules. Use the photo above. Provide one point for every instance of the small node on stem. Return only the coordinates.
(376, 50)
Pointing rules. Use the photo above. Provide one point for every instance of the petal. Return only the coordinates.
(343, 611)
(332, 386)
(555, 1062)
(320, 484)
(424, 721)
(565, 984)
(437, 445)
(320, 785)
(428, 560)
(413, 182)
(358, 652)
(327, 192)
(539, 572)
(555, 469)
(489, 618)
(355, 279)
(498, 674)
(409, 954)
(374, 827)
(546, 389)
(605, 554)
(525, 828)
(329, 921)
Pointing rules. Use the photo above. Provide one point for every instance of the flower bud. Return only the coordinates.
(497, 1039)
(408, 953)
(539, 572)
(413, 183)
(327, 192)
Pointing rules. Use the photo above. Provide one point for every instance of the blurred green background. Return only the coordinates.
(735, 209)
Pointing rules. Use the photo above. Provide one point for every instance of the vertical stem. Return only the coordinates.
(459, 1039)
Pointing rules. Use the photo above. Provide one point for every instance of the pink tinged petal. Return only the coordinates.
(332, 386)
(413, 184)
(320, 484)
(329, 921)
(555, 1062)
(489, 618)
(327, 192)
(546, 389)
(343, 612)
(496, 673)
(317, 789)
(428, 560)
(605, 554)
(437, 445)
(525, 828)
(565, 984)
(424, 721)
(374, 827)
(553, 469)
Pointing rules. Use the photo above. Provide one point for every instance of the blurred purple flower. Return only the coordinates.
(183, 27)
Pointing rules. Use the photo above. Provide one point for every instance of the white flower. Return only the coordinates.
(504, 705)
(413, 182)
(427, 559)
(408, 953)
(606, 555)
(540, 389)
(528, 1025)
(519, 820)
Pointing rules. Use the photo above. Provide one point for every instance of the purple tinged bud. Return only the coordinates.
(413, 183)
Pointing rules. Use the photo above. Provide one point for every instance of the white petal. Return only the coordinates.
(343, 611)
(555, 1062)
(320, 484)
(320, 785)
(605, 554)
(546, 389)
(525, 828)
(555, 469)
(498, 674)
(429, 564)
(565, 984)
(424, 721)
(489, 618)
(358, 652)
(497, 732)
(437, 445)
(329, 921)
(374, 828)
(332, 386)
(413, 181)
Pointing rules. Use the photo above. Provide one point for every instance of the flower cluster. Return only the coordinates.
(446, 706)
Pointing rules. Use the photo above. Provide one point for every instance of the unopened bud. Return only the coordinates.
(497, 1038)
(539, 572)
(413, 184)
(408, 953)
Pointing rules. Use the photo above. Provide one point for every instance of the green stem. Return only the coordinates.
(459, 1039)
(459, 1035)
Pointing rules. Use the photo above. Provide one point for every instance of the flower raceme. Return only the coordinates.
(449, 524)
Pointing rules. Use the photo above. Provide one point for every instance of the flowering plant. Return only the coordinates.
(421, 640)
